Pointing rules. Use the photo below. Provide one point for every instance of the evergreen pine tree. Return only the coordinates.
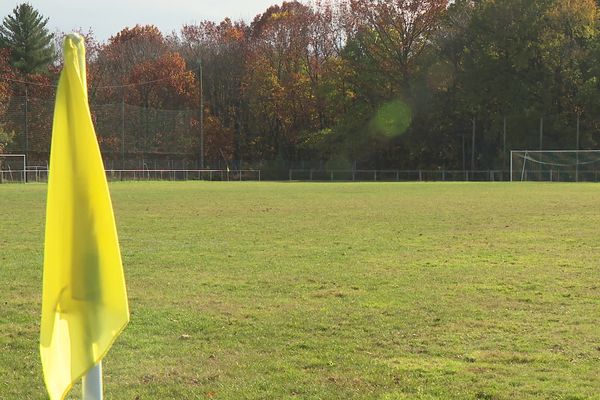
(24, 32)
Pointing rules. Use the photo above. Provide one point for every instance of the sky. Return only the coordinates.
(107, 17)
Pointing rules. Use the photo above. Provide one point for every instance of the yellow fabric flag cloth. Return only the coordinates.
(84, 300)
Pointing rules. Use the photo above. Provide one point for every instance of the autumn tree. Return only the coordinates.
(6, 137)
(163, 82)
(392, 34)
(323, 60)
(218, 50)
(6, 76)
(140, 76)
(277, 86)
(525, 60)
(115, 60)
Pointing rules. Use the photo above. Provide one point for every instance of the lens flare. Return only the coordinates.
(392, 119)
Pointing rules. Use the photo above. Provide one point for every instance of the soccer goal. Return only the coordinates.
(13, 168)
(555, 165)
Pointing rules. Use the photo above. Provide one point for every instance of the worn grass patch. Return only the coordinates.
(331, 291)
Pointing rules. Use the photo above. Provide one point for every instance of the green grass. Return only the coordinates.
(331, 291)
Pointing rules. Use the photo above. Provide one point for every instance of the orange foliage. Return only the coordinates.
(149, 33)
(163, 83)
(6, 72)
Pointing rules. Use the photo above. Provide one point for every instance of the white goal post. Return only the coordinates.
(13, 168)
(555, 165)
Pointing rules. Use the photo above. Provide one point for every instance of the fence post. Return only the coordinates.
(375, 175)
(511, 166)
(420, 176)
(473, 146)
(332, 175)
(577, 153)
(123, 127)
(290, 175)
(26, 121)
(311, 174)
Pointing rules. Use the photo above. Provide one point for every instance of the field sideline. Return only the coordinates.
(248, 290)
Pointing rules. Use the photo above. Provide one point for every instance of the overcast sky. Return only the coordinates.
(107, 17)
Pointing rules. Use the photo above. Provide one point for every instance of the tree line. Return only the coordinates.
(400, 84)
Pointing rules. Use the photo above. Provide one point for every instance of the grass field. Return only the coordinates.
(331, 291)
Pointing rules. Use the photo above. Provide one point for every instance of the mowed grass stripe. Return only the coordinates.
(331, 291)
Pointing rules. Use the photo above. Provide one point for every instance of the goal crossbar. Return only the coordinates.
(13, 168)
(555, 165)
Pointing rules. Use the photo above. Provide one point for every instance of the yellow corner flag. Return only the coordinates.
(84, 302)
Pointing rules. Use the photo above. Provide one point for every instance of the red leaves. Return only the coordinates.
(147, 33)
(6, 72)
(163, 83)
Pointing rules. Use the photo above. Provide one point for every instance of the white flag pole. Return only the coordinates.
(92, 383)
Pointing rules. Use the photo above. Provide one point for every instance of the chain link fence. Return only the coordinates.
(130, 137)
(133, 137)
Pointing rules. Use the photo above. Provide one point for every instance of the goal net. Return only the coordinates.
(13, 168)
(555, 165)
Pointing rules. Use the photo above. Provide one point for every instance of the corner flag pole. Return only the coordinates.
(92, 383)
